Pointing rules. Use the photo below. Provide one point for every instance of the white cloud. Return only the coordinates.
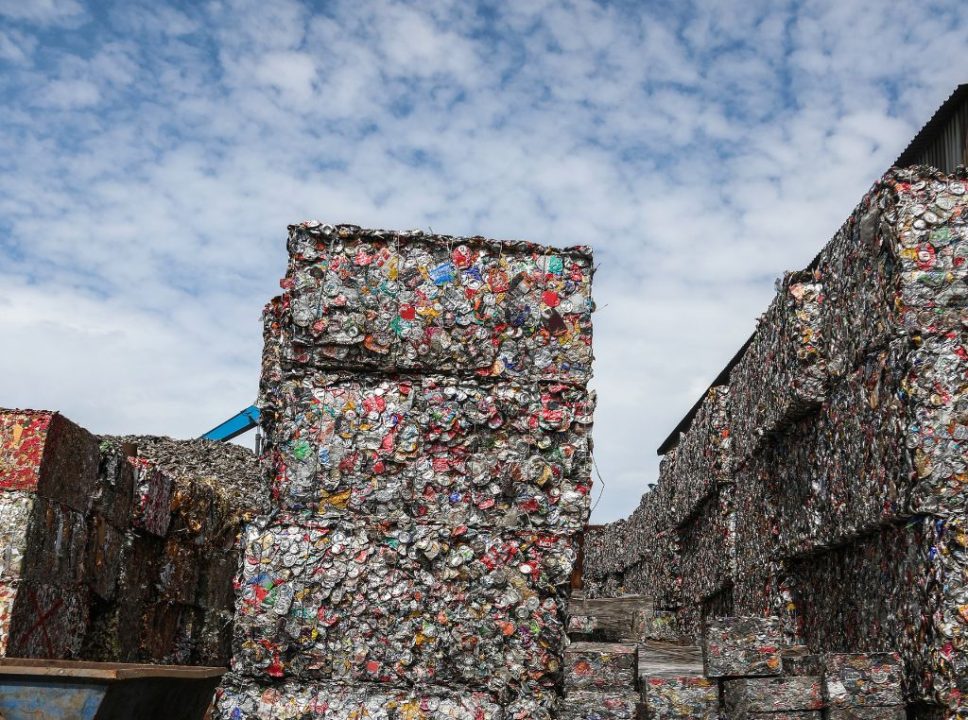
(43, 12)
(69, 94)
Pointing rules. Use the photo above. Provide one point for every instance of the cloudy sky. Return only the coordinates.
(151, 156)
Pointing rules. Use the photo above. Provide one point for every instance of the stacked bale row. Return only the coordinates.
(639, 555)
(885, 447)
(107, 556)
(847, 418)
(428, 451)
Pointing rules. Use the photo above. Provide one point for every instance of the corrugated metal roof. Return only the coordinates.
(934, 133)
(942, 142)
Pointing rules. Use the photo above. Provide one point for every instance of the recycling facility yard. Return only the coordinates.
(412, 540)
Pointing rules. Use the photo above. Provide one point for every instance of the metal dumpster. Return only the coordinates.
(68, 690)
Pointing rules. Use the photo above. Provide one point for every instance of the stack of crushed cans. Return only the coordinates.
(428, 452)
(109, 555)
(841, 509)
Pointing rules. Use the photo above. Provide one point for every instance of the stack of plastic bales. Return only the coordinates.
(427, 428)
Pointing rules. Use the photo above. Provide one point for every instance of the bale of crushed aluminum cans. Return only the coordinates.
(670, 696)
(897, 265)
(745, 696)
(240, 699)
(916, 573)
(381, 300)
(585, 705)
(427, 447)
(742, 646)
(862, 679)
(48, 477)
(46, 454)
(703, 458)
(164, 579)
(783, 371)
(706, 547)
(873, 712)
(391, 604)
(228, 475)
(606, 667)
(433, 447)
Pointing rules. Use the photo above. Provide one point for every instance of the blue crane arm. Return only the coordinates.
(236, 425)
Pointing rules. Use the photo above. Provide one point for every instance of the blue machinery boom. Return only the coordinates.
(239, 423)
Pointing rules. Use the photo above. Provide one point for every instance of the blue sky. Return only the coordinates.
(152, 154)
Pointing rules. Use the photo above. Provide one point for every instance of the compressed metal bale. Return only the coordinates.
(42, 540)
(844, 472)
(239, 698)
(46, 454)
(707, 546)
(703, 456)
(433, 447)
(897, 265)
(858, 679)
(783, 372)
(226, 480)
(102, 562)
(114, 494)
(899, 589)
(886, 444)
(383, 300)
(456, 491)
(117, 625)
(872, 712)
(614, 705)
(742, 646)
(153, 493)
(680, 697)
(417, 604)
(40, 620)
(607, 667)
(742, 696)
